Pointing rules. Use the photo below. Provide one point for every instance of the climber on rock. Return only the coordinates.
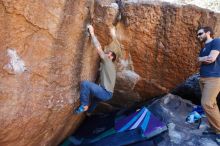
(104, 90)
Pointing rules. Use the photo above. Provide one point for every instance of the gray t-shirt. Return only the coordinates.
(107, 74)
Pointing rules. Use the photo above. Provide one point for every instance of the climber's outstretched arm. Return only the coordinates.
(96, 42)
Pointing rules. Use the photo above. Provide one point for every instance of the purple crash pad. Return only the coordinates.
(143, 119)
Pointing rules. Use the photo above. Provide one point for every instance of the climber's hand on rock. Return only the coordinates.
(91, 29)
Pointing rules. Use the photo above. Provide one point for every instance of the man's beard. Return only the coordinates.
(203, 40)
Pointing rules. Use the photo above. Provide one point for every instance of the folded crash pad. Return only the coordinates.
(142, 119)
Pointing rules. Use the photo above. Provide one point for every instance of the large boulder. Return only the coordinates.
(158, 40)
(44, 55)
(161, 40)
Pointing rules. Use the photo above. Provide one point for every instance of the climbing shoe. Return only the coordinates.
(79, 110)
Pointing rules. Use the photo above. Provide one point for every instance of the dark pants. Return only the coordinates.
(98, 93)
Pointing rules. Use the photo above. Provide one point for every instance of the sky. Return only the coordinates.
(213, 5)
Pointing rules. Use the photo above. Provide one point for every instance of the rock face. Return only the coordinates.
(157, 42)
(161, 42)
(45, 53)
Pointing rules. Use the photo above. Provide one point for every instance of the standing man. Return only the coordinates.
(210, 77)
(104, 90)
